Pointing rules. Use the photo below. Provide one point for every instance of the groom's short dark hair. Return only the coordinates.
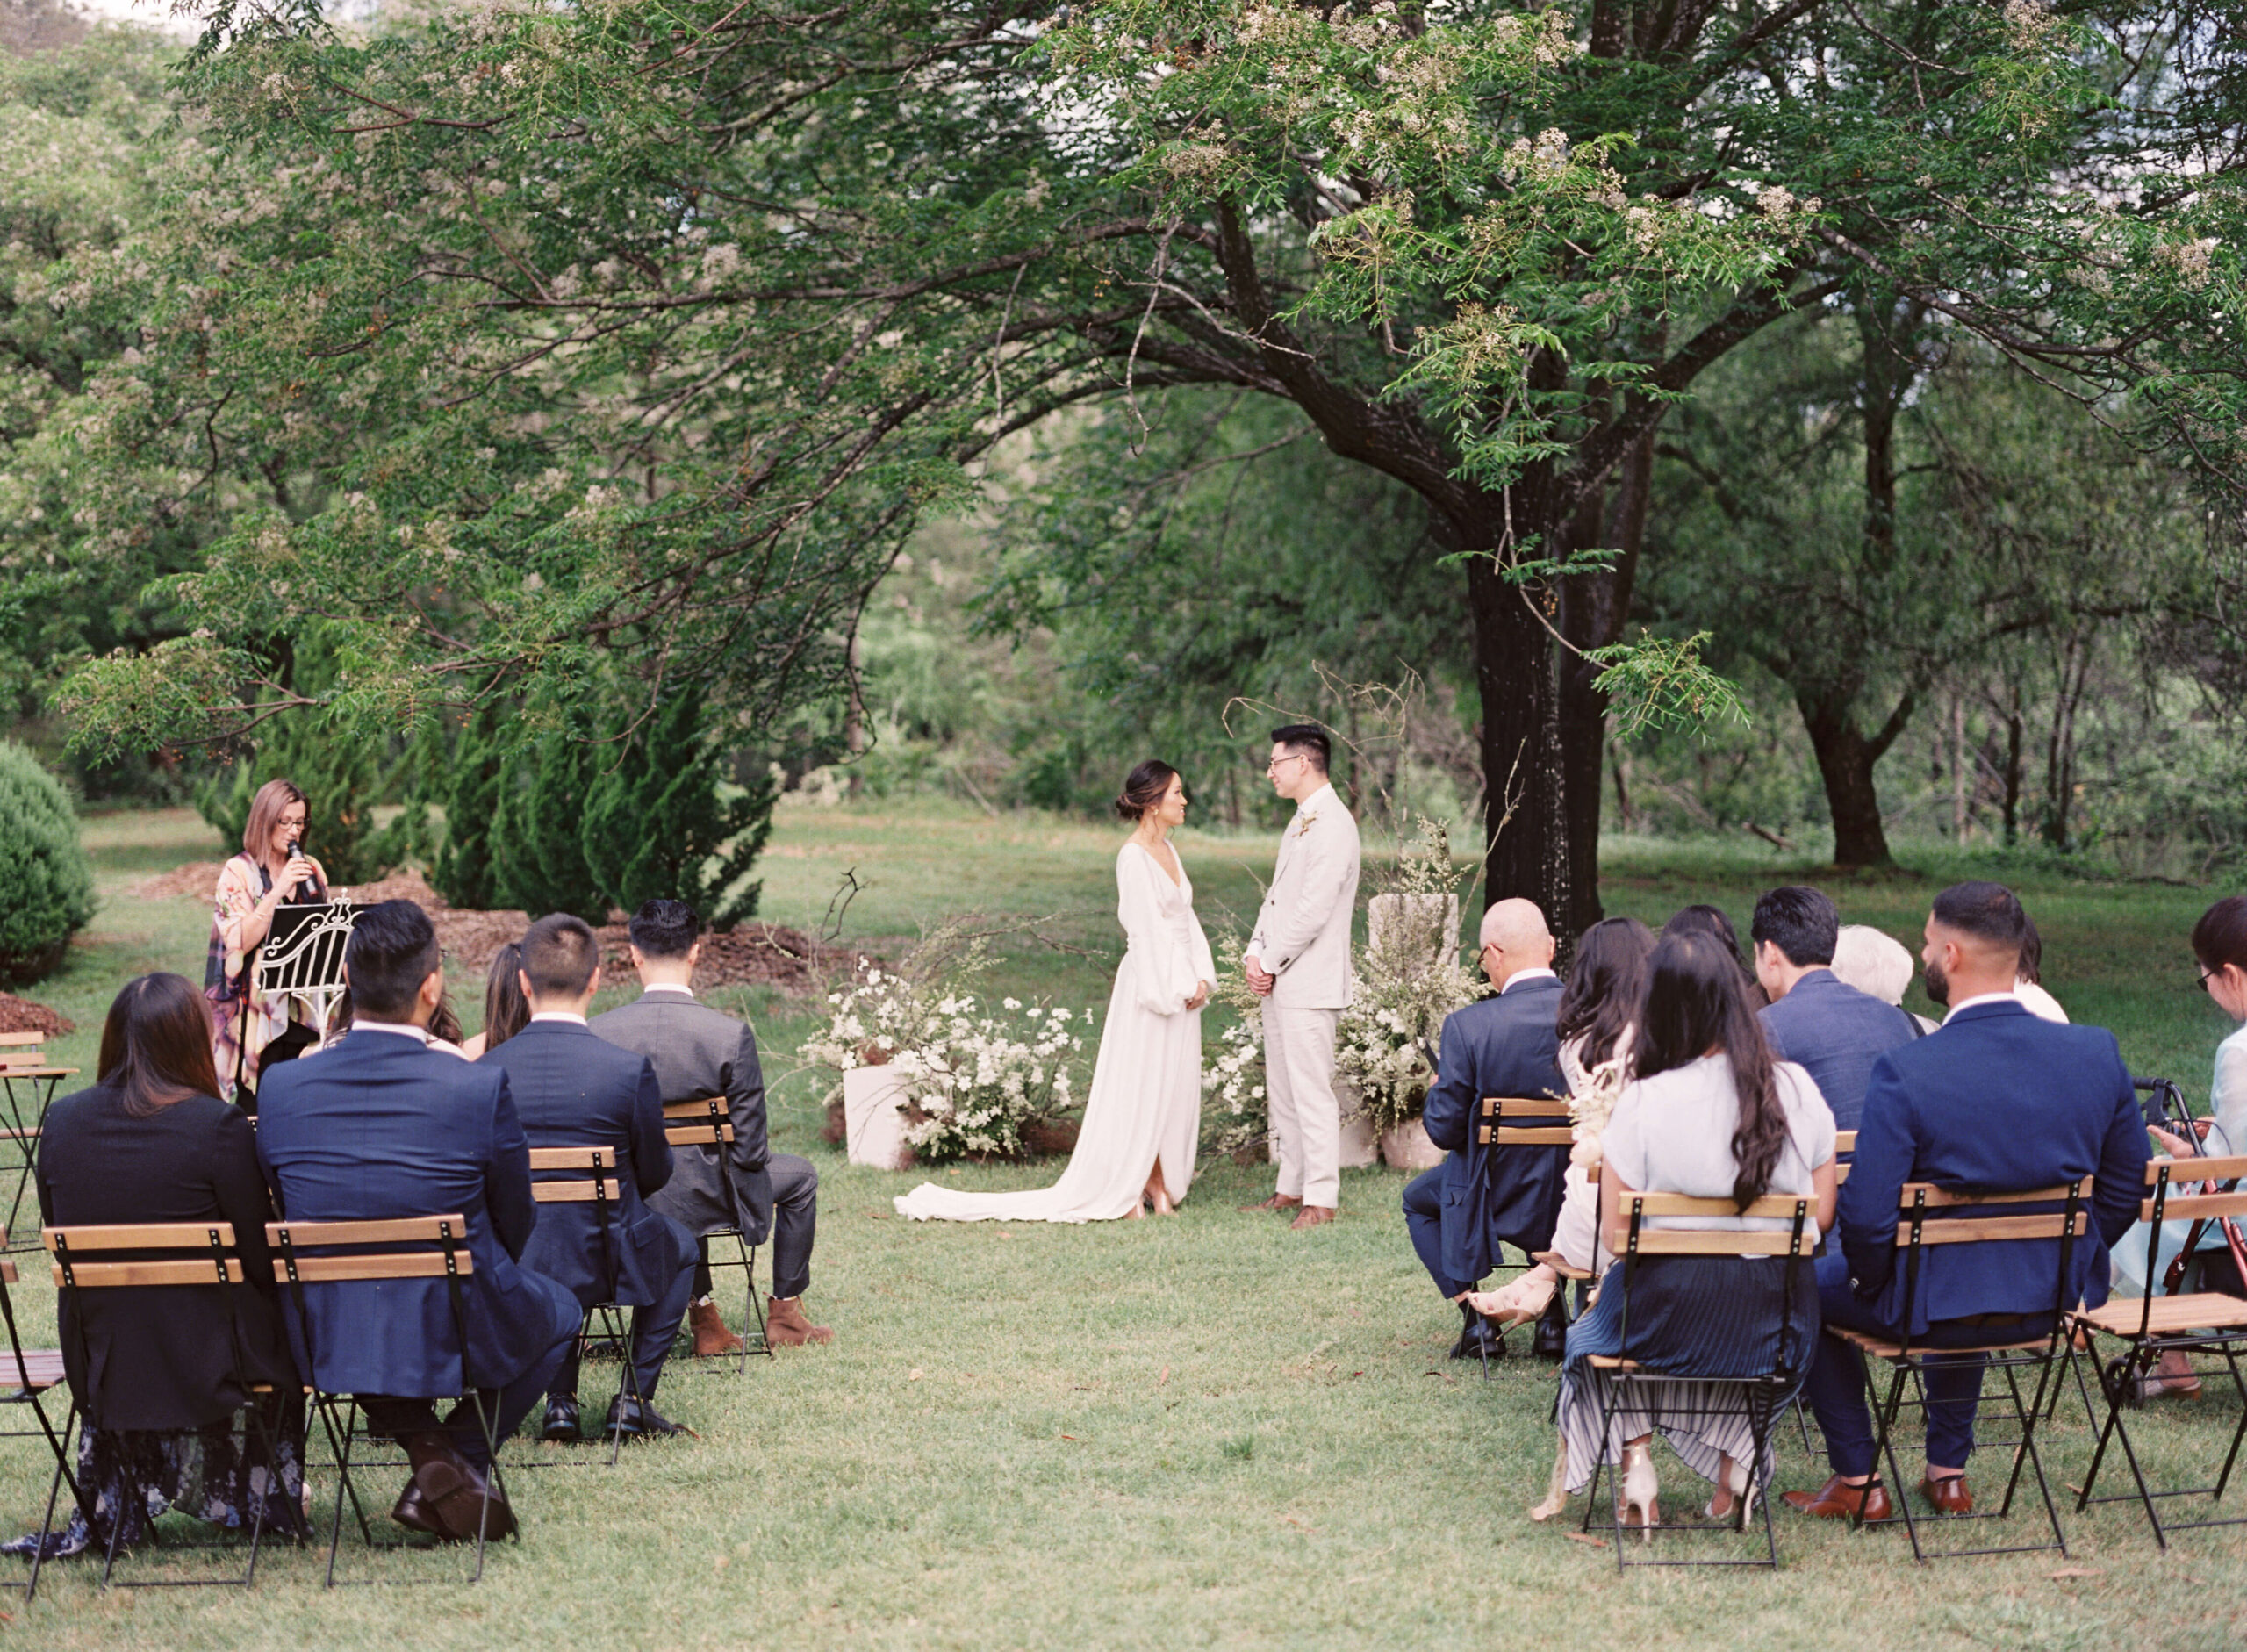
(1309, 739)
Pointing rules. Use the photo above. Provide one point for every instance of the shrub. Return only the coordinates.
(536, 841)
(661, 822)
(47, 883)
(468, 788)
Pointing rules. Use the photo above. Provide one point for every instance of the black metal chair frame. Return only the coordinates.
(30, 1387)
(2191, 1323)
(1761, 1397)
(1930, 1216)
(707, 1121)
(295, 1269)
(211, 1261)
(1557, 1130)
(601, 1187)
(22, 1131)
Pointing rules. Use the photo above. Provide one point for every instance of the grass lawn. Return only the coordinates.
(1205, 1432)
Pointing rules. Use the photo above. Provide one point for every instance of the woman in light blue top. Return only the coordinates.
(2219, 950)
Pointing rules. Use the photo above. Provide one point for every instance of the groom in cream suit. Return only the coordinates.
(1298, 962)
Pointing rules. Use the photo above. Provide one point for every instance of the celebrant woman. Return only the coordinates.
(250, 1030)
(1143, 1118)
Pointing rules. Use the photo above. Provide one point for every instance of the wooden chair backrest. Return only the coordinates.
(1549, 1128)
(1701, 1241)
(21, 1050)
(448, 1231)
(702, 1123)
(1845, 1142)
(2168, 1177)
(585, 1190)
(202, 1253)
(1925, 1197)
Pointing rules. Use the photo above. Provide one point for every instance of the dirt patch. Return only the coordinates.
(757, 954)
(20, 1014)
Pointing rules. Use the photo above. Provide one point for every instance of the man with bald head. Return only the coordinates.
(1483, 1195)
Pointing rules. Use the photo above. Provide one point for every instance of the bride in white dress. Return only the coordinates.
(1143, 1118)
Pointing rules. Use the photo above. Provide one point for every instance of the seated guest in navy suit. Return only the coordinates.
(1458, 1212)
(1833, 1030)
(381, 1126)
(1994, 1100)
(573, 1089)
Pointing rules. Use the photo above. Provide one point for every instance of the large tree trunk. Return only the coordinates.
(1525, 827)
(1846, 757)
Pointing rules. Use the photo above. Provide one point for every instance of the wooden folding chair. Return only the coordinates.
(707, 1122)
(1522, 1121)
(155, 1256)
(315, 1253)
(27, 1085)
(1929, 1215)
(1760, 1396)
(30, 1375)
(597, 1185)
(2194, 1190)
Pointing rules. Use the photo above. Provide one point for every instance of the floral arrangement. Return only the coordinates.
(1233, 1077)
(1406, 979)
(974, 1080)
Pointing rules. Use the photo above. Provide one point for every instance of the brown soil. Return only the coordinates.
(761, 954)
(20, 1014)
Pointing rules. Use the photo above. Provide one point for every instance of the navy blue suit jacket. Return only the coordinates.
(574, 1089)
(1836, 1032)
(381, 1126)
(1996, 1101)
(1505, 1046)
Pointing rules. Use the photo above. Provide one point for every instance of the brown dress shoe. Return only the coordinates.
(1948, 1494)
(1838, 1500)
(1277, 1202)
(786, 1326)
(1313, 1216)
(711, 1336)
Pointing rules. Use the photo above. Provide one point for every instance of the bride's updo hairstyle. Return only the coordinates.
(1143, 790)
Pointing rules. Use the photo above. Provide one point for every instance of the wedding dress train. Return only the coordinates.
(1145, 1108)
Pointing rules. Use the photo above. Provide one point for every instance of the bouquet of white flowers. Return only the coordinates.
(1234, 1075)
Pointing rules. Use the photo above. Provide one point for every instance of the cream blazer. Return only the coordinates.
(1302, 932)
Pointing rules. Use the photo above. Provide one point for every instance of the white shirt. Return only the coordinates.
(666, 987)
(404, 1029)
(559, 1015)
(1534, 972)
(1981, 998)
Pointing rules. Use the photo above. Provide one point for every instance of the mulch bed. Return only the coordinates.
(755, 954)
(20, 1014)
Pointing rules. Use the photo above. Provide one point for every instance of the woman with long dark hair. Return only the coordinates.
(159, 1374)
(1143, 1116)
(1596, 1024)
(505, 1010)
(1707, 1113)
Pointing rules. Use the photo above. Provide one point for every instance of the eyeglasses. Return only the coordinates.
(295, 823)
(2207, 975)
(1272, 767)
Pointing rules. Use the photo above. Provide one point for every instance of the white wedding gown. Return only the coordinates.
(1145, 1102)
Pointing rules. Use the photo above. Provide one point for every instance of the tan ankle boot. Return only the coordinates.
(711, 1336)
(786, 1326)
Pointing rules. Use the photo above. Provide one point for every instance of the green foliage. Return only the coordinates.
(536, 841)
(47, 883)
(469, 788)
(660, 814)
(340, 777)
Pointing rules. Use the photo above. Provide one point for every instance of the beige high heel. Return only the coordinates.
(1740, 1487)
(1642, 1491)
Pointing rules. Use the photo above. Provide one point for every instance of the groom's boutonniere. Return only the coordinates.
(1305, 821)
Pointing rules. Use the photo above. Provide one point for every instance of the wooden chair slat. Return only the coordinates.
(41, 1369)
(697, 1135)
(1700, 1241)
(1526, 1136)
(1972, 1229)
(107, 1275)
(1840, 1174)
(1943, 1199)
(1781, 1205)
(1845, 1141)
(2229, 1167)
(1525, 1107)
(574, 1192)
(702, 1109)
(585, 1158)
(38, 1072)
(141, 1236)
(7, 1271)
(322, 1270)
(1880, 1347)
(2195, 1207)
(2202, 1311)
(395, 1231)
(22, 1040)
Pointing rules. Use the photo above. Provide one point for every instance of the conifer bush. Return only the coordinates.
(46, 882)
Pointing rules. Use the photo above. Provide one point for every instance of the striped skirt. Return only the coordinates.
(1706, 1319)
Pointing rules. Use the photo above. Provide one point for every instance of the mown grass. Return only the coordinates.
(1206, 1432)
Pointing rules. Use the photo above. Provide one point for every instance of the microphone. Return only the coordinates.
(294, 845)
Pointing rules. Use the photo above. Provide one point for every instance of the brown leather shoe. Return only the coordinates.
(1277, 1202)
(786, 1326)
(1838, 1500)
(459, 1498)
(711, 1336)
(1313, 1216)
(1948, 1494)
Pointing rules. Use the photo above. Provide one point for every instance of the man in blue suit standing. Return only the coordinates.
(1995, 1101)
(1481, 1194)
(380, 1127)
(1814, 1018)
(572, 1089)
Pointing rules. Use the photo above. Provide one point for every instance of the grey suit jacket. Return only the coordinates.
(698, 1051)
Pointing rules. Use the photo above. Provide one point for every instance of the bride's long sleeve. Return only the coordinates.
(1155, 961)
